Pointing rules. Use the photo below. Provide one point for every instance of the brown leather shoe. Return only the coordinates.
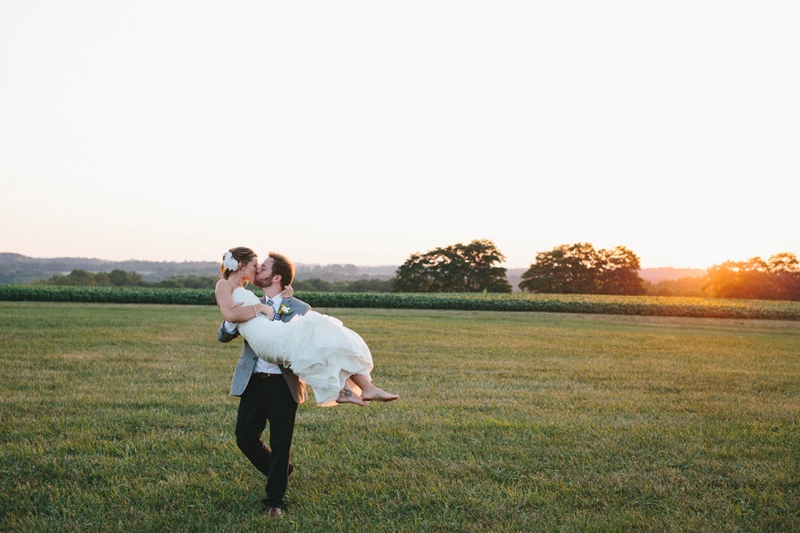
(274, 511)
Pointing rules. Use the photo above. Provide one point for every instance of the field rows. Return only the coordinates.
(519, 302)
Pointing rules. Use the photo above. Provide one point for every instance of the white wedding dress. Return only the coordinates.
(317, 347)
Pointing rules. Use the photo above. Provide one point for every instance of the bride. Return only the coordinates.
(316, 347)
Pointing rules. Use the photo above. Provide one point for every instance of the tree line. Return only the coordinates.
(777, 278)
(456, 268)
(566, 269)
(581, 269)
(122, 278)
(358, 285)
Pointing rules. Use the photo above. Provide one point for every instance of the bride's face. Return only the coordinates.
(249, 270)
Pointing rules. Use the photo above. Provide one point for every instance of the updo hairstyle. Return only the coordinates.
(242, 255)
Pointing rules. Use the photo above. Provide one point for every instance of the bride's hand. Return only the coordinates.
(264, 309)
(287, 292)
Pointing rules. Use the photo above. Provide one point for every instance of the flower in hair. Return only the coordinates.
(229, 262)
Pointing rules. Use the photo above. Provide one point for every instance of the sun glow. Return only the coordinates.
(364, 135)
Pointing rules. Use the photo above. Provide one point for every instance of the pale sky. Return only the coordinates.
(361, 132)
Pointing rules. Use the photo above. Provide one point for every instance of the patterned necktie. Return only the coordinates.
(272, 305)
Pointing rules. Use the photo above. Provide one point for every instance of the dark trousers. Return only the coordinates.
(267, 400)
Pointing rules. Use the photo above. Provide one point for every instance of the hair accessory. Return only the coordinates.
(229, 262)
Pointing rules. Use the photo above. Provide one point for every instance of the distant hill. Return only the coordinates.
(514, 276)
(336, 272)
(17, 268)
(654, 275)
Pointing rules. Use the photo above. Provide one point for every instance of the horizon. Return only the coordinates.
(362, 133)
(357, 265)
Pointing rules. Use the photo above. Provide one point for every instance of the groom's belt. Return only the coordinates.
(264, 375)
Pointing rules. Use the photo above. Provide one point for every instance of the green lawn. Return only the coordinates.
(116, 418)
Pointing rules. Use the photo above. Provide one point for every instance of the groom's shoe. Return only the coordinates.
(270, 508)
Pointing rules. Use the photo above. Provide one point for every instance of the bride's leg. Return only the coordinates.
(370, 392)
(347, 396)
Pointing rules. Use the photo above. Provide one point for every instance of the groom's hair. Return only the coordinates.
(281, 266)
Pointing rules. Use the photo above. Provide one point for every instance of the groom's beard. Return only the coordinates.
(262, 283)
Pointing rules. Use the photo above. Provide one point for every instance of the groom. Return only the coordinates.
(268, 393)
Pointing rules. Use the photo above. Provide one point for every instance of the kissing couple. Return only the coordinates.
(317, 348)
(286, 346)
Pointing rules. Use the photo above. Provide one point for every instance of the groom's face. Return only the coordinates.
(264, 274)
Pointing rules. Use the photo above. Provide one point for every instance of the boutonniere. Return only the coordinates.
(284, 310)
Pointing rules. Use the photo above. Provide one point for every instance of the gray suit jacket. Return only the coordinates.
(247, 361)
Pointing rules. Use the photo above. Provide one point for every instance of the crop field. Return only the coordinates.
(523, 302)
(116, 417)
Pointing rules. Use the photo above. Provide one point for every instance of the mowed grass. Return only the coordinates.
(117, 418)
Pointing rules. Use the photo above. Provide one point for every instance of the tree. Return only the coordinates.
(580, 269)
(415, 275)
(568, 269)
(313, 284)
(79, 277)
(455, 268)
(189, 282)
(122, 278)
(785, 270)
(481, 273)
(619, 272)
(741, 279)
(369, 285)
(686, 286)
(778, 278)
(199, 282)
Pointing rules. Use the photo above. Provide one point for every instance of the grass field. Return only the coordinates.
(116, 418)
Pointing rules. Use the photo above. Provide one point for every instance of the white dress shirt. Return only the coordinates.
(262, 367)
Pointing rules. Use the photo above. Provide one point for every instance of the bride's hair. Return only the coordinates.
(241, 254)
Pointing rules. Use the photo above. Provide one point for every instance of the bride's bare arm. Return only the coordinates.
(230, 311)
